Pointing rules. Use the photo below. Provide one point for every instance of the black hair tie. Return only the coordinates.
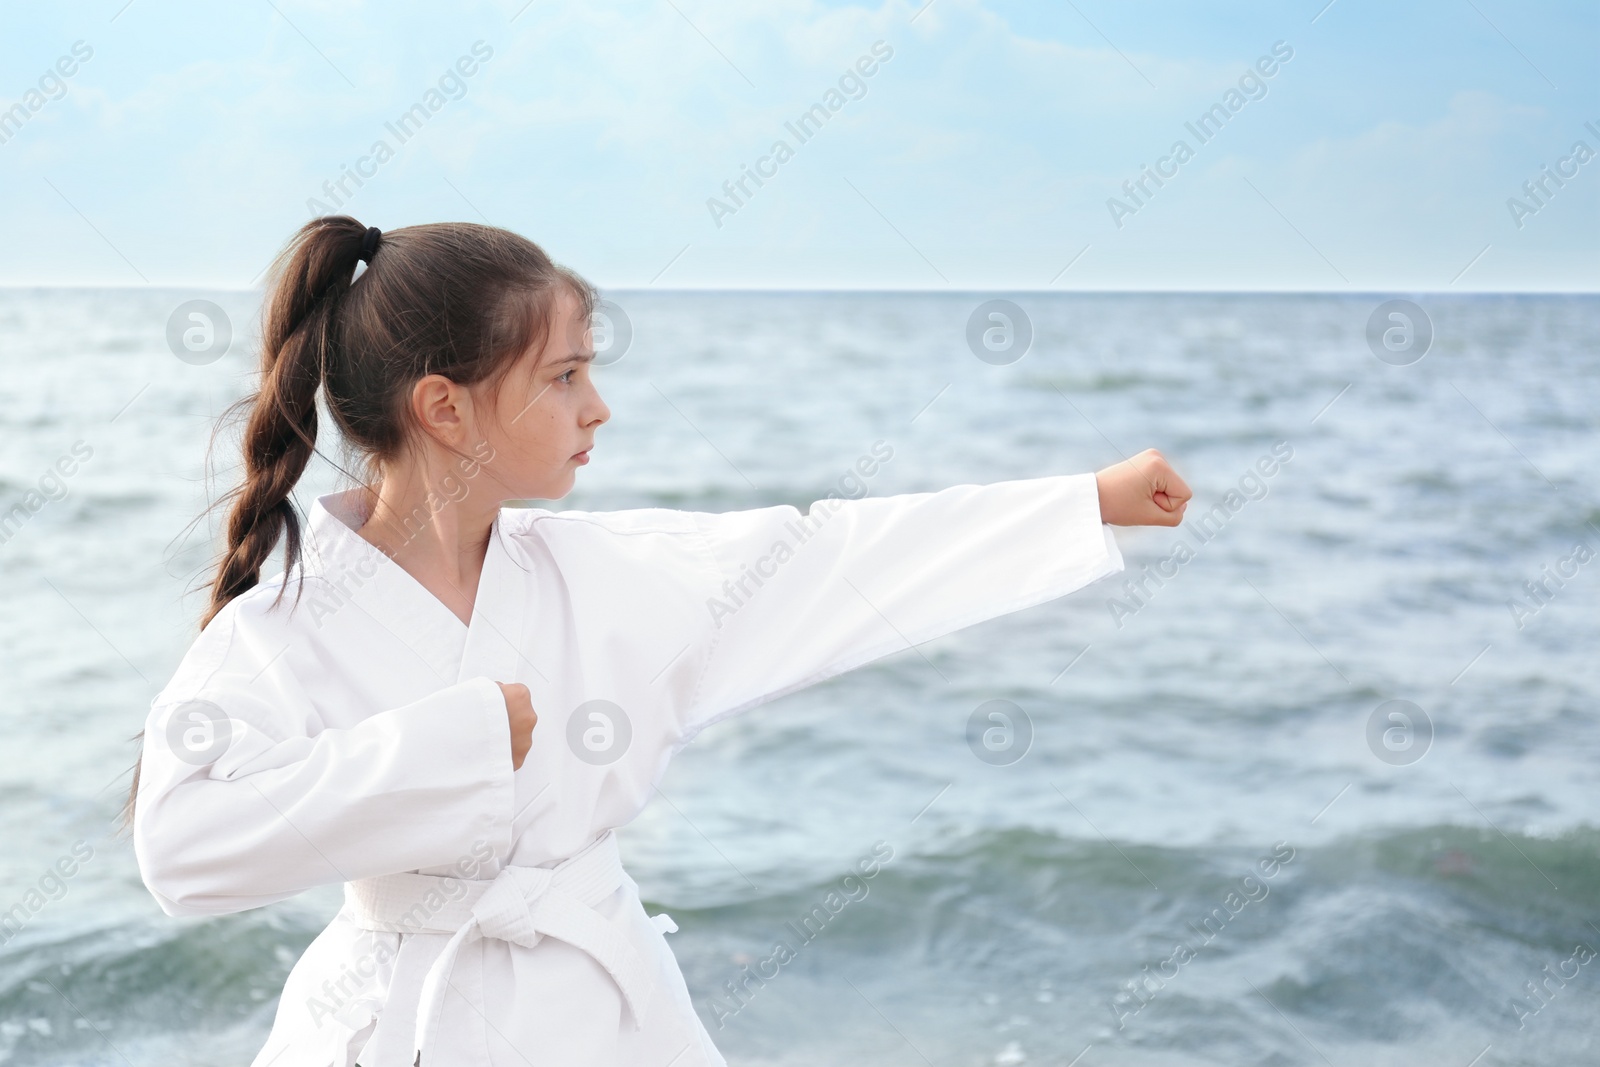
(369, 243)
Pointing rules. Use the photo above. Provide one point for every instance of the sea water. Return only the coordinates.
(1202, 838)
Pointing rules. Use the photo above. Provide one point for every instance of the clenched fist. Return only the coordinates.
(519, 710)
(1142, 491)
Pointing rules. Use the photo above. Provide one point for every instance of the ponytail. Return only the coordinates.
(280, 436)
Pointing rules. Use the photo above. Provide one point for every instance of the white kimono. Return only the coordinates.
(357, 734)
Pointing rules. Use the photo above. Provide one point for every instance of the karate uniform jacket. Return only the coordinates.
(353, 732)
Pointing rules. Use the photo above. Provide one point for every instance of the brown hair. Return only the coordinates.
(452, 298)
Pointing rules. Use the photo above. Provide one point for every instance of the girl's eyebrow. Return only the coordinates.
(575, 357)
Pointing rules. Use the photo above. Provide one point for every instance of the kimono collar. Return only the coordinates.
(332, 546)
(359, 574)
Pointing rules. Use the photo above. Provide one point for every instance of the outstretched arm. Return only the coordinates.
(795, 599)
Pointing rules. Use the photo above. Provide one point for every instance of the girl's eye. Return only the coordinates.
(566, 376)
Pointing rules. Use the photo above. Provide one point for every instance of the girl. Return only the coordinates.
(449, 706)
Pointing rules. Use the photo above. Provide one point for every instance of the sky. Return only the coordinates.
(954, 145)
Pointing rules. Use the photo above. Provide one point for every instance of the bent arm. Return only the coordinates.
(795, 599)
(269, 817)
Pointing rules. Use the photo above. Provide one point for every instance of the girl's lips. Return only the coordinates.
(582, 457)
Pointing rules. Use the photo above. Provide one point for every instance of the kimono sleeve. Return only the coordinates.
(239, 806)
(795, 599)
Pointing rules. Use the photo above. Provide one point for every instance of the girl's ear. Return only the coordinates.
(443, 409)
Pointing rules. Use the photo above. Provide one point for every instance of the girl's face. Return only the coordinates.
(546, 412)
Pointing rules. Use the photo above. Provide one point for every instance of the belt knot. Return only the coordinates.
(520, 905)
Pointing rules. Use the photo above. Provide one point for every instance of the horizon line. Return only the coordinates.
(947, 290)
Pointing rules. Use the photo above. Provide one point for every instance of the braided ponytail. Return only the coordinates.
(298, 334)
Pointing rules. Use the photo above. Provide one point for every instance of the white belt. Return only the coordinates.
(519, 905)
